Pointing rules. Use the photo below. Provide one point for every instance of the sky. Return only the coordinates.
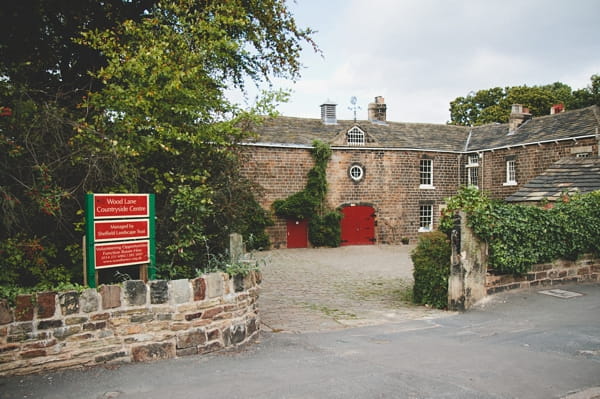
(422, 54)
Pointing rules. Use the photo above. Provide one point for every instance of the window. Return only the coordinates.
(426, 173)
(583, 155)
(425, 218)
(473, 170)
(355, 137)
(356, 172)
(511, 172)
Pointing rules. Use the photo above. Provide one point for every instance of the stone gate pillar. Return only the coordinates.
(466, 284)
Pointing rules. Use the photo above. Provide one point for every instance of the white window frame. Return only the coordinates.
(355, 137)
(425, 218)
(356, 172)
(511, 173)
(426, 173)
(473, 170)
(582, 155)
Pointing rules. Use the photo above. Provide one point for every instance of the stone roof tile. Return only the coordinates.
(566, 175)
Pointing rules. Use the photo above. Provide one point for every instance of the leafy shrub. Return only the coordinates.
(26, 263)
(431, 262)
(325, 231)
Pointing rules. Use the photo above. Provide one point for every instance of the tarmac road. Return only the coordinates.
(520, 344)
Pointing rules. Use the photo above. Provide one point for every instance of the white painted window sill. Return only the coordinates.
(425, 229)
(426, 187)
(510, 183)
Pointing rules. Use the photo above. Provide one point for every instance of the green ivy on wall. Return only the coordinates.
(324, 226)
(520, 236)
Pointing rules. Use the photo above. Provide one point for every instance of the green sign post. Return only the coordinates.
(120, 231)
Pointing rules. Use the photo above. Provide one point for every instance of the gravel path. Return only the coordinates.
(333, 288)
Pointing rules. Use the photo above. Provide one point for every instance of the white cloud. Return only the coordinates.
(421, 54)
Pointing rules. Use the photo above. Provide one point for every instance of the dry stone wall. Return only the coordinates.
(132, 322)
(586, 268)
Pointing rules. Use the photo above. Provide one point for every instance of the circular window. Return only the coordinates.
(356, 172)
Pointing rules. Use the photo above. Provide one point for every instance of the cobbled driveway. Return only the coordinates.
(333, 288)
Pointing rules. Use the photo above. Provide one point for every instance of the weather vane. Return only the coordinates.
(354, 107)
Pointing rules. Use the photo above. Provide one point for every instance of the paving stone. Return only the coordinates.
(334, 288)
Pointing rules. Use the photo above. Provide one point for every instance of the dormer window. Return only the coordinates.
(355, 137)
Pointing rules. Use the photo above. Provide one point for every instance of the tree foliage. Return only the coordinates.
(494, 105)
(129, 96)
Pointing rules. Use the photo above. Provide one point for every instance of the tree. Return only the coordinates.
(493, 105)
(146, 113)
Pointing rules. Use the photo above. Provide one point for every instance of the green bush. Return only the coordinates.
(431, 263)
(325, 231)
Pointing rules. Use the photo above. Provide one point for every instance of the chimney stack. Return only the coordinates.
(328, 113)
(557, 109)
(518, 116)
(377, 110)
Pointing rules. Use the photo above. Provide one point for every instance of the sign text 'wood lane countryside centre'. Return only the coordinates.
(119, 232)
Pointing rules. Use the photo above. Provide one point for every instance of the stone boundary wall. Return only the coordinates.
(132, 322)
(586, 268)
(470, 280)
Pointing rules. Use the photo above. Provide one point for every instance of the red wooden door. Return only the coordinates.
(358, 225)
(297, 233)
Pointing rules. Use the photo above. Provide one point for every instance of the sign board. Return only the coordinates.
(126, 229)
(121, 253)
(121, 205)
(119, 232)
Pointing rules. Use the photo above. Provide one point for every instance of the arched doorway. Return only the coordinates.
(358, 225)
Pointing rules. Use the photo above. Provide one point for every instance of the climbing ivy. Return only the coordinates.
(520, 236)
(324, 226)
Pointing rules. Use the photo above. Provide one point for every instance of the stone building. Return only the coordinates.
(391, 179)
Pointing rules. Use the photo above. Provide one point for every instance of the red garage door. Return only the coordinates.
(358, 225)
(297, 233)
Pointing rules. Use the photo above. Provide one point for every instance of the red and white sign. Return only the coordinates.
(121, 205)
(111, 230)
(122, 253)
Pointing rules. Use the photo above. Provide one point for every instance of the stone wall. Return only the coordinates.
(471, 280)
(586, 268)
(132, 322)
